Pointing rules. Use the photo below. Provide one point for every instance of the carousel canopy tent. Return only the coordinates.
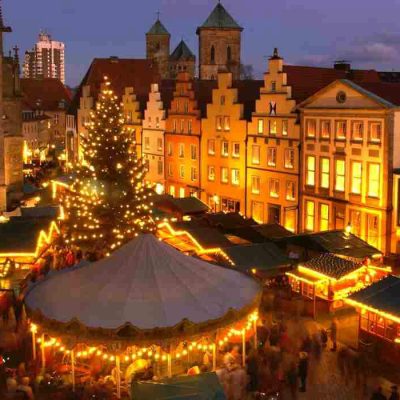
(147, 284)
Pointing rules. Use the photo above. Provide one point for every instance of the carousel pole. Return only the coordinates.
(73, 369)
(33, 331)
(244, 347)
(43, 353)
(118, 366)
(169, 360)
(214, 355)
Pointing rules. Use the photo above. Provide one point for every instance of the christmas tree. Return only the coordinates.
(108, 203)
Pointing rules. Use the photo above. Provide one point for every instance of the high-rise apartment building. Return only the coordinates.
(46, 59)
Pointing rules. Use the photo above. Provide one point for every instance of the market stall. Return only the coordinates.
(147, 301)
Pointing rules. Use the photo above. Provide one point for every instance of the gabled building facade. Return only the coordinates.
(182, 141)
(133, 118)
(154, 124)
(273, 152)
(348, 135)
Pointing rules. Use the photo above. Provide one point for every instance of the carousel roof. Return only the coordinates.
(145, 283)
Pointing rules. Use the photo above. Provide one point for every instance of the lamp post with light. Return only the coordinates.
(216, 202)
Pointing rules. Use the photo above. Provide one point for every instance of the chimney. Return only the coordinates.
(342, 65)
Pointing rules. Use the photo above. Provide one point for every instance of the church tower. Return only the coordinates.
(158, 47)
(219, 44)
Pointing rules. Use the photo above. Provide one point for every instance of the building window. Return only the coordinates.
(340, 175)
(224, 149)
(260, 126)
(172, 191)
(211, 147)
(357, 130)
(193, 152)
(182, 193)
(190, 126)
(274, 187)
(373, 230)
(157, 122)
(273, 86)
(311, 128)
(175, 125)
(289, 158)
(228, 54)
(159, 144)
(341, 127)
(356, 177)
(271, 156)
(325, 129)
(182, 125)
(273, 126)
(255, 154)
(193, 174)
(218, 123)
(222, 100)
(324, 217)
(236, 150)
(290, 191)
(169, 151)
(181, 150)
(181, 171)
(325, 173)
(149, 122)
(147, 143)
(373, 180)
(285, 127)
(186, 106)
(375, 132)
(227, 123)
(170, 169)
(235, 177)
(160, 169)
(355, 222)
(310, 215)
(255, 184)
(211, 173)
(212, 54)
(224, 175)
(310, 171)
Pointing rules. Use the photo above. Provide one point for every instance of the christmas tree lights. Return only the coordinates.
(109, 203)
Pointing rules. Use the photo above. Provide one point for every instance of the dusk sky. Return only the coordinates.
(308, 32)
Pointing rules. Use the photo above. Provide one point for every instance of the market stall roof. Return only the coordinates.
(261, 233)
(227, 221)
(264, 256)
(336, 242)
(185, 206)
(383, 295)
(198, 387)
(21, 234)
(147, 284)
(332, 266)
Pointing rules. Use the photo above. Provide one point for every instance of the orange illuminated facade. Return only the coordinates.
(182, 141)
(223, 149)
(347, 158)
(132, 117)
(273, 152)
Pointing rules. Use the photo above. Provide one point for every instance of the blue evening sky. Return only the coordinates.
(309, 32)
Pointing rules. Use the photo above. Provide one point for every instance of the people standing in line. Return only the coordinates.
(394, 394)
(303, 370)
(333, 333)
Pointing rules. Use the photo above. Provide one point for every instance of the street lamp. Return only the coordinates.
(216, 202)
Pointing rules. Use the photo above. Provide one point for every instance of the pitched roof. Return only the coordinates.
(383, 295)
(158, 29)
(47, 94)
(248, 93)
(220, 18)
(332, 266)
(182, 52)
(186, 205)
(385, 90)
(123, 73)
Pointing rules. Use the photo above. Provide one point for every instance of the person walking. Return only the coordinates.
(303, 370)
(333, 333)
(394, 394)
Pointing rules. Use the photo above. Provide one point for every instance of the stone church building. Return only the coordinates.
(219, 48)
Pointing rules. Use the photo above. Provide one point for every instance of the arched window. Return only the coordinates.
(212, 54)
(229, 54)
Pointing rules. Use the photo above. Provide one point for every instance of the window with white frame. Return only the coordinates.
(224, 175)
(341, 129)
(375, 132)
(271, 156)
(374, 180)
(211, 173)
(290, 190)
(310, 215)
(227, 123)
(181, 171)
(224, 149)
(340, 179)
(218, 123)
(255, 184)
(181, 150)
(159, 144)
(289, 158)
(324, 217)
(311, 128)
(325, 173)
(260, 126)
(211, 147)
(285, 127)
(325, 129)
(182, 125)
(310, 171)
(236, 150)
(273, 126)
(357, 130)
(274, 187)
(193, 174)
(356, 177)
(193, 152)
(255, 154)
(235, 177)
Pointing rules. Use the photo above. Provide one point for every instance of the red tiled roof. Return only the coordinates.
(123, 73)
(305, 81)
(45, 94)
(387, 91)
(248, 93)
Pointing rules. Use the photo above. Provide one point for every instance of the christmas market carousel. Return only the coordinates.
(146, 304)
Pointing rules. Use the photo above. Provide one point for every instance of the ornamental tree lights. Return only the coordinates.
(108, 202)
